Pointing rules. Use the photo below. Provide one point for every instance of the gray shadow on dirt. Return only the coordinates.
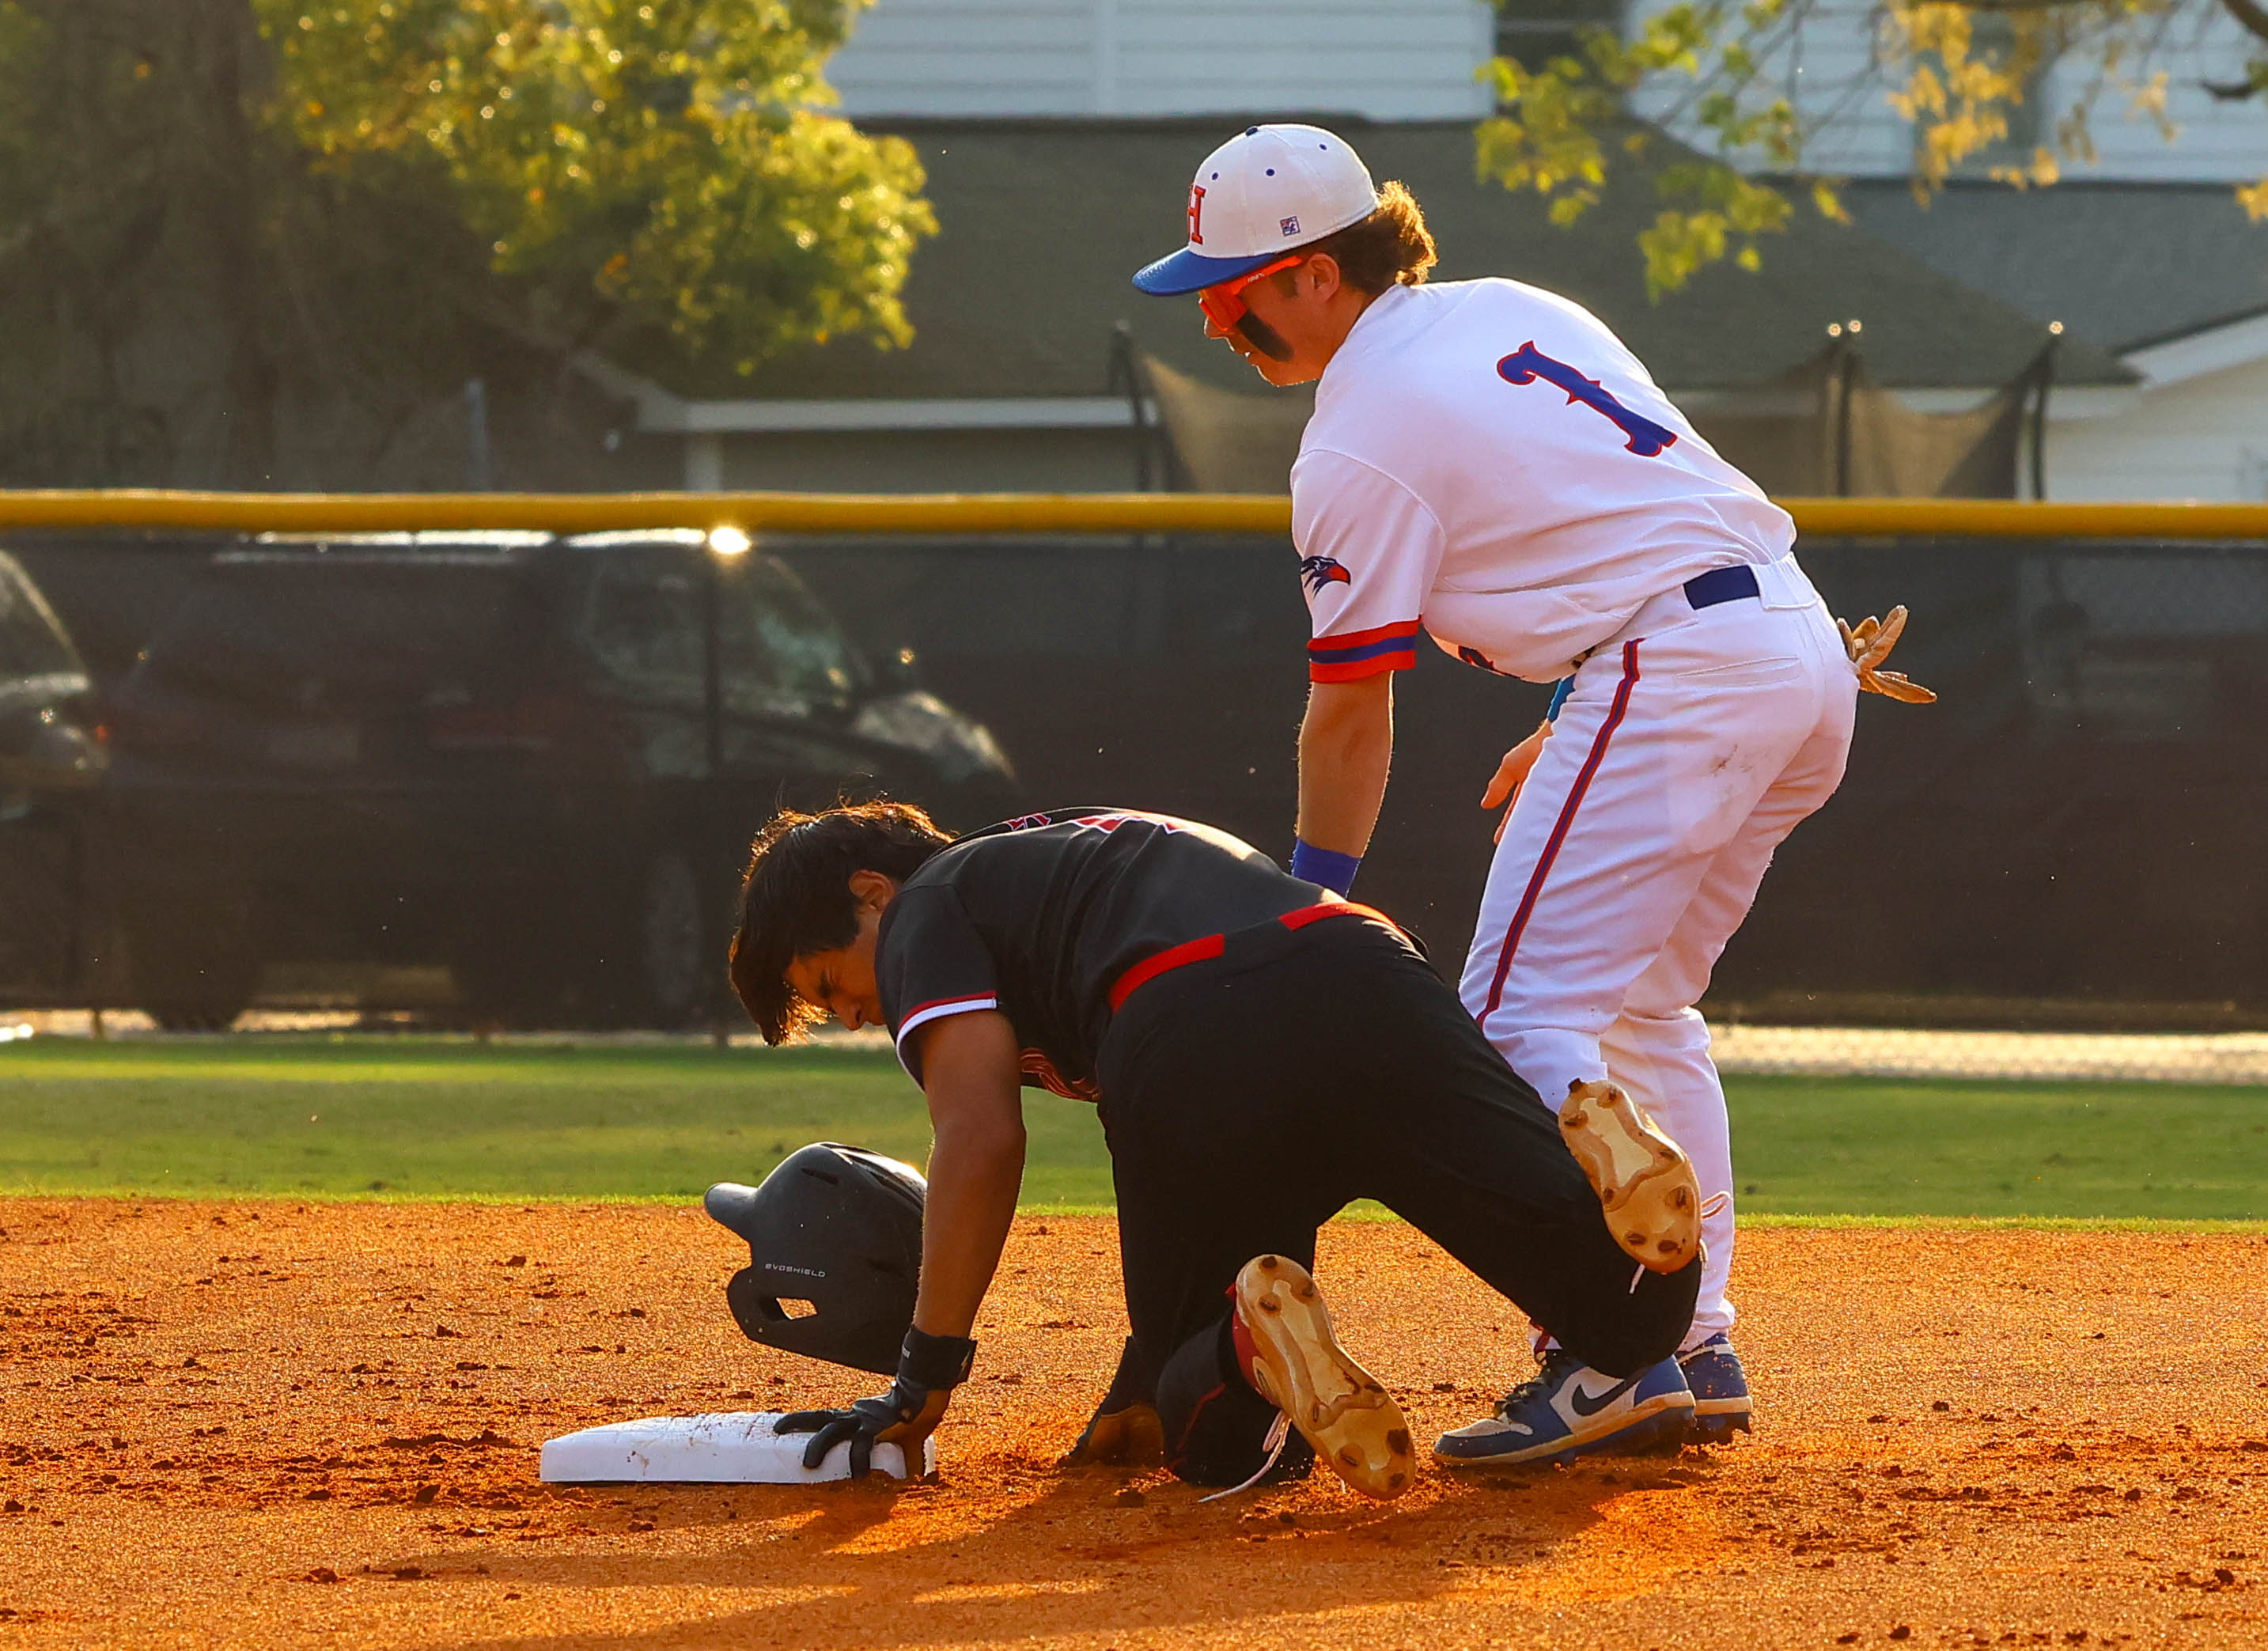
(1074, 1557)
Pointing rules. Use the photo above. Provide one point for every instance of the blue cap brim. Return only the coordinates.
(1187, 271)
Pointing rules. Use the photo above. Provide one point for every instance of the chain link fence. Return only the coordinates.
(498, 780)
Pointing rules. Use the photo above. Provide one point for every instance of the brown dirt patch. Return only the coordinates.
(276, 1424)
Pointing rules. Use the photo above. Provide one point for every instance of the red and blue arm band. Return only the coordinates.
(1355, 654)
(1560, 689)
(1327, 868)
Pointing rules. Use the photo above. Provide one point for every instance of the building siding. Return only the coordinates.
(2204, 439)
(1384, 60)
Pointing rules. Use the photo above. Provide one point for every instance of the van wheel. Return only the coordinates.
(654, 967)
(673, 937)
(506, 978)
(192, 965)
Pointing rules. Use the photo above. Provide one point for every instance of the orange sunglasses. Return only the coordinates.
(1224, 305)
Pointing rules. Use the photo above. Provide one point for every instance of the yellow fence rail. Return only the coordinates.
(1005, 513)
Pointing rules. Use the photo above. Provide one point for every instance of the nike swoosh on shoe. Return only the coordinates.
(1591, 1403)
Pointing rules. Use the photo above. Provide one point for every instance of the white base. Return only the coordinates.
(729, 1447)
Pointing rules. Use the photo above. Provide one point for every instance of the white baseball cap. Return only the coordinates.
(1266, 192)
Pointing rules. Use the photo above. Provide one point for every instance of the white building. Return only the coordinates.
(1013, 105)
(2142, 249)
(1382, 60)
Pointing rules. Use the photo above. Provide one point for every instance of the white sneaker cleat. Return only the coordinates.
(1569, 1410)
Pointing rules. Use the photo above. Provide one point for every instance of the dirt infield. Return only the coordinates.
(279, 1425)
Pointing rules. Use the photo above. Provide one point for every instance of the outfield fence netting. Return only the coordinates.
(395, 796)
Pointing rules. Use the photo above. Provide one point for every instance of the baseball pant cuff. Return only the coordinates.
(1552, 1060)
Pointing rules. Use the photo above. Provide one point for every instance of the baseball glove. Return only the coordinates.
(1869, 643)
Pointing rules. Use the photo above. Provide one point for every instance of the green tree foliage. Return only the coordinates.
(246, 242)
(125, 151)
(1954, 68)
(634, 165)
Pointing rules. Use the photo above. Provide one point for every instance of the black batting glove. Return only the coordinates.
(929, 1368)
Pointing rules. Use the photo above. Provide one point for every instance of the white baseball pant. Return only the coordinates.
(1691, 744)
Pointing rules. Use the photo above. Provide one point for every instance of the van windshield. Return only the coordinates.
(30, 643)
(773, 630)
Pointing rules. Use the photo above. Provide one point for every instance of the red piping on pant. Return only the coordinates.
(1182, 1445)
(1560, 828)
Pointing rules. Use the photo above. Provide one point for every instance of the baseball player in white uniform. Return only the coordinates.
(1489, 464)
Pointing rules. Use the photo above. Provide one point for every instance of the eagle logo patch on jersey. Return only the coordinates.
(1317, 572)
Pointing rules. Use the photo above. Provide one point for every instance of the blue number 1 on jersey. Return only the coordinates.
(1527, 364)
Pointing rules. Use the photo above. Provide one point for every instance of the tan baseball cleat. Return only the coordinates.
(1296, 1362)
(1643, 1178)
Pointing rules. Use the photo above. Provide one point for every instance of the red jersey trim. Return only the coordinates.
(1361, 639)
(1406, 660)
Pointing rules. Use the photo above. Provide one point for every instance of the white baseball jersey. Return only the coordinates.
(1488, 462)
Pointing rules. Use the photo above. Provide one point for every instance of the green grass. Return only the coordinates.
(430, 1118)
(1893, 1147)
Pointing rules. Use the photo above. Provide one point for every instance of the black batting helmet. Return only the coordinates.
(835, 1238)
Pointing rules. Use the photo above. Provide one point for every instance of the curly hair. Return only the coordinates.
(796, 897)
(1390, 248)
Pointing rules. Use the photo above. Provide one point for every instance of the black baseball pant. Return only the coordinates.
(1248, 1098)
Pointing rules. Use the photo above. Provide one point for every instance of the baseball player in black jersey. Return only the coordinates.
(1262, 1053)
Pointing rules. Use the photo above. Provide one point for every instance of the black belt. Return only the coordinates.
(1721, 584)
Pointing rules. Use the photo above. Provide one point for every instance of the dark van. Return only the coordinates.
(535, 758)
(52, 762)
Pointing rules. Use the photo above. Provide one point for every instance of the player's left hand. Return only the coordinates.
(1512, 772)
(1124, 1432)
(1132, 1437)
(1869, 643)
(929, 1368)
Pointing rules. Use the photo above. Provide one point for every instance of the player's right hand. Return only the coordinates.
(929, 1368)
(1512, 772)
(900, 1417)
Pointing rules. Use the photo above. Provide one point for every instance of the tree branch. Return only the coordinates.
(2250, 13)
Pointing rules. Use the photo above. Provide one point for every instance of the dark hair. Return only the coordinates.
(796, 897)
(1390, 248)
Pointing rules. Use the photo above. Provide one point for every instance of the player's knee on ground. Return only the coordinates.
(1216, 1425)
(1621, 1333)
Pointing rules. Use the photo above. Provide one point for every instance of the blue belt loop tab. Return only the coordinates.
(1326, 868)
(1560, 689)
(1721, 584)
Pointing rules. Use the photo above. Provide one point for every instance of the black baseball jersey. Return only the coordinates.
(1038, 916)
